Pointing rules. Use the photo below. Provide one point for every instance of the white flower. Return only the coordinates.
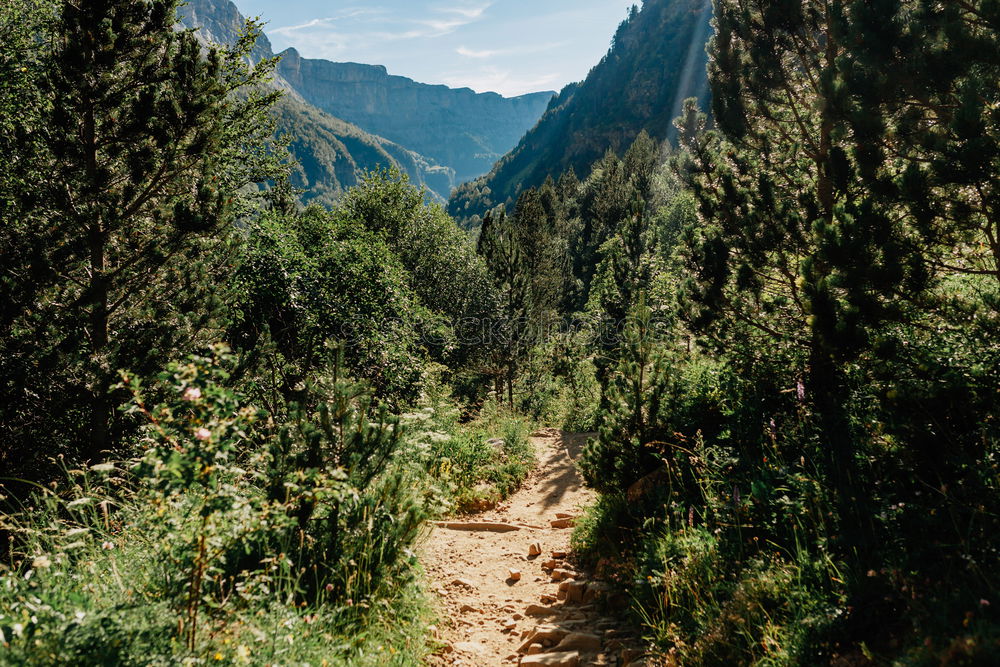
(41, 562)
(192, 394)
(108, 546)
(203, 433)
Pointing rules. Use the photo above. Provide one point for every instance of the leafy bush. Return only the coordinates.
(477, 464)
(227, 523)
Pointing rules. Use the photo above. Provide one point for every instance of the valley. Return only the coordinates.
(692, 363)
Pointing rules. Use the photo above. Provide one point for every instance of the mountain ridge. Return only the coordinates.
(438, 136)
(457, 127)
(657, 59)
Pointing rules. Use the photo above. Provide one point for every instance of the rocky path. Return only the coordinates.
(506, 585)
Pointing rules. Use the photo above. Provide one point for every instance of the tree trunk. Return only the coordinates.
(100, 403)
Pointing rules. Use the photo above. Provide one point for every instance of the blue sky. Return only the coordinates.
(507, 46)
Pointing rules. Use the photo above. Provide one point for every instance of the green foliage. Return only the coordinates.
(228, 522)
(308, 277)
(146, 144)
(478, 464)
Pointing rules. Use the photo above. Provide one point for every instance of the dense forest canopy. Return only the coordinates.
(226, 418)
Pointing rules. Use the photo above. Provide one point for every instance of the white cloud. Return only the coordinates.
(358, 27)
(493, 53)
(469, 53)
(500, 80)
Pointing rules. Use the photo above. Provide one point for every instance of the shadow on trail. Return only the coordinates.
(565, 479)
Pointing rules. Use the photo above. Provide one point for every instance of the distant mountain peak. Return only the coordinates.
(451, 134)
(657, 60)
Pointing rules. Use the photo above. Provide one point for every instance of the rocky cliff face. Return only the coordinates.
(348, 118)
(657, 60)
(460, 128)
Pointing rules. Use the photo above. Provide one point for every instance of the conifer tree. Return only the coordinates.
(145, 139)
(508, 338)
(922, 94)
(797, 248)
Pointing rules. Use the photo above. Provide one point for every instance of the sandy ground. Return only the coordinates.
(491, 618)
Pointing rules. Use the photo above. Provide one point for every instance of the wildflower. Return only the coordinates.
(984, 603)
(41, 562)
(107, 546)
(243, 653)
(192, 394)
(329, 588)
(218, 657)
(203, 433)
(800, 391)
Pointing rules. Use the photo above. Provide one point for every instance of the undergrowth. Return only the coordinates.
(237, 538)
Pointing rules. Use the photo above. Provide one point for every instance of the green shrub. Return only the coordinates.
(232, 538)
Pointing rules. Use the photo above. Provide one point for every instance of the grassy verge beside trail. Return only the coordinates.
(238, 540)
(479, 463)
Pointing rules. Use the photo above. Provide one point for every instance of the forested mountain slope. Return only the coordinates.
(657, 59)
(331, 154)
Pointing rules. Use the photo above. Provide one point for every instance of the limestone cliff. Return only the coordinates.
(460, 128)
(346, 118)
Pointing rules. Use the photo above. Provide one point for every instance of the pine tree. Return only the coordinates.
(797, 248)
(145, 140)
(508, 336)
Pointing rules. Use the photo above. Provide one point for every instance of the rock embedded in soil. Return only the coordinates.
(485, 526)
(534, 549)
(465, 583)
(561, 659)
(579, 641)
(470, 647)
(538, 610)
(562, 523)
(543, 634)
(513, 575)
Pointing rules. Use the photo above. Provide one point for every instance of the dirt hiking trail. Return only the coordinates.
(507, 589)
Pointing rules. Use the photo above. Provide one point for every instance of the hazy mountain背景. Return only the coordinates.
(657, 59)
(459, 128)
(346, 118)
